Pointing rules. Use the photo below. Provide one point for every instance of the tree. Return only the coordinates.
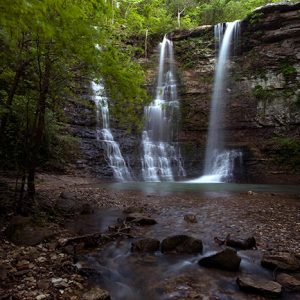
(55, 42)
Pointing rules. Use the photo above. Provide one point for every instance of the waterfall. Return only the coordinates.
(104, 134)
(161, 160)
(219, 162)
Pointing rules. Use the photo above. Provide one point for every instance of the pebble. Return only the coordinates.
(42, 296)
(41, 259)
(59, 282)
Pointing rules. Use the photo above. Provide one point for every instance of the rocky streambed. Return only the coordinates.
(145, 245)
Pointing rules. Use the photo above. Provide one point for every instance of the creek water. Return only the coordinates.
(185, 186)
(132, 276)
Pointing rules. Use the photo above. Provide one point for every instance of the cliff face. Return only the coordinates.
(92, 158)
(263, 109)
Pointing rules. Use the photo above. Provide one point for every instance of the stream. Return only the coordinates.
(157, 276)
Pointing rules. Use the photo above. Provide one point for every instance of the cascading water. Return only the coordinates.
(104, 134)
(219, 162)
(161, 158)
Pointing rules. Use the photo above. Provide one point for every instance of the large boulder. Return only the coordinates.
(282, 261)
(263, 287)
(145, 245)
(181, 244)
(226, 259)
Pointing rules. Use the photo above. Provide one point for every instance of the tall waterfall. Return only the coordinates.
(219, 163)
(161, 160)
(104, 134)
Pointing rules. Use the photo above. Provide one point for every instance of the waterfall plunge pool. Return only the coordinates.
(184, 186)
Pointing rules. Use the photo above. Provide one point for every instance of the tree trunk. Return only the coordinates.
(178, 18)
(146, 42)
(38, 133)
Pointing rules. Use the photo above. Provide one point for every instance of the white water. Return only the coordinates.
(219, 163)
(161, 160)
(104, 134)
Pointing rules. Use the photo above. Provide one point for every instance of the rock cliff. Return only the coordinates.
(263, 111)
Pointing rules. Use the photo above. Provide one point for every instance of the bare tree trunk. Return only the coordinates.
(146, 42)
(178, 18)
(38, 132)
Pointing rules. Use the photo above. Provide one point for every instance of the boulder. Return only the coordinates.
(263, 287)
(289, 282)
(96, 294)
(282, 261)
(248, 243)
(145, 245)
(226, 259)
(181, 244)
(140, 219)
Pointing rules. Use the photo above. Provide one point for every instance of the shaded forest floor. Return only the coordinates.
(36, 264)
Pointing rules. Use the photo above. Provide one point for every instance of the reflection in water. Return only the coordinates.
(96, 222)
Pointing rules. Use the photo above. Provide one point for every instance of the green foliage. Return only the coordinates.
(288, 70)
(255, 17)
(48, 53)
(261, 94)
(287, 152)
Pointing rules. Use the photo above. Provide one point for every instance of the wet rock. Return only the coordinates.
(140, 219)
(87, 270)
(181, 244)
(266, 288)
(248, 243)
(282, 261)
(96, 294)
(226, 259)
(22, 232)
(145, 245)
(190, 218)
(289, 282)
